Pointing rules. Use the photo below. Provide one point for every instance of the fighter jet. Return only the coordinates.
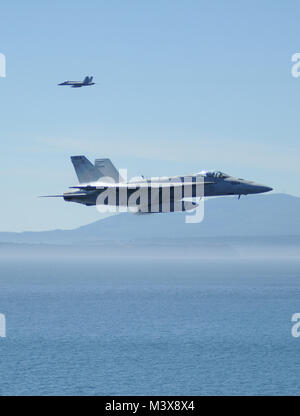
(101, 184)
(78, 84)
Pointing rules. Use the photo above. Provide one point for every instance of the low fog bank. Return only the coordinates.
(221, 247)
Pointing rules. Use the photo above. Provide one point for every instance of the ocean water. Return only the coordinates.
(142, 326)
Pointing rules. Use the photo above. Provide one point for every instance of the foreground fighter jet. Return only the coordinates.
(101, 184)
(77, 84)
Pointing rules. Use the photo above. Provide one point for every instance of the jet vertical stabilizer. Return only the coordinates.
(85, 170)
(107, 169)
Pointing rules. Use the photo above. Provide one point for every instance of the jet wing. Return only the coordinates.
(138, 185)
(166, 207)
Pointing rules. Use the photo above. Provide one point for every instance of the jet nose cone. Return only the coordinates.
(268, 189)
(262, 188)
(249, 187)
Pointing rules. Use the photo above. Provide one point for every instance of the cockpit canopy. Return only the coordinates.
(214, 174)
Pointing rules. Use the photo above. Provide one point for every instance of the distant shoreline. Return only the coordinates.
(219, 247)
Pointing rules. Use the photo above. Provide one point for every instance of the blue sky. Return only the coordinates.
(182, 86)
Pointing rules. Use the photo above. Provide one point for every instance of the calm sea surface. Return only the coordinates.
(94, 326)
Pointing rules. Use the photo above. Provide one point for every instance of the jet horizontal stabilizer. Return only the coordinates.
(51, 196)
(87, 188)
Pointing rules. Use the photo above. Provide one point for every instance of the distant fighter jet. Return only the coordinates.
(78, 84)
(101, 184)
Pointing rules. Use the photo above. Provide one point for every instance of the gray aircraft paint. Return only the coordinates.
(101, 184)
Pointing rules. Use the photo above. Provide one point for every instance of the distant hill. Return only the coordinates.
(267, 215)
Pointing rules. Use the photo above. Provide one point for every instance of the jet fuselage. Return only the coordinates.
(161, 190)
